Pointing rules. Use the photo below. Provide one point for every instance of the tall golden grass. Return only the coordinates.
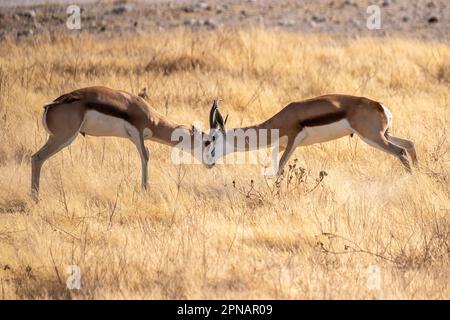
(196, 233)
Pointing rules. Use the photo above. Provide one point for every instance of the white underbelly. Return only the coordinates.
(100, 124)
(318, 134)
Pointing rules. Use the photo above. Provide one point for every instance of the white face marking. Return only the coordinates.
(100, 124)
(324, 133)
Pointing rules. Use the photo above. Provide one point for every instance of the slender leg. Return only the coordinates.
(64, 122)
(380, 142)
(53, 145)
(291, 146)
(138, 139)
(404, 143)
(144, 165)
(284, 158)
(143, 152)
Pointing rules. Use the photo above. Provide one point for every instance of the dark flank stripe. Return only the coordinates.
(104, 108)
(108, 110)
(323, 119)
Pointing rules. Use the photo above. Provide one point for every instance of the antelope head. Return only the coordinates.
(214, 141)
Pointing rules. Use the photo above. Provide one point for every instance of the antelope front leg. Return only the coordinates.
(285, 157)
(144, 179)
(138, 139)
(145, 156)
(293, 143)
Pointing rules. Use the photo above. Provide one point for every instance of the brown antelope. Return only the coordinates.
(101, 111)
(313, 121)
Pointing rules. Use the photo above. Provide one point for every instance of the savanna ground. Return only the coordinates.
(196, 233)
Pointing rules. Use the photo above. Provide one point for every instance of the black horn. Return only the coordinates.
(213, 115)
(220, 121)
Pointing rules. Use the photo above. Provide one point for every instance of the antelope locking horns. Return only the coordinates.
(215, 118)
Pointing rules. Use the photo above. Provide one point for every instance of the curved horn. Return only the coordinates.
(220, 120)
(213, 115)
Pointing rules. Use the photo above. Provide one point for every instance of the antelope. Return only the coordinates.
(312, 121)
(101, 111)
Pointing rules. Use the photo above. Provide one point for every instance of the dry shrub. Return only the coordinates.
(184, 63)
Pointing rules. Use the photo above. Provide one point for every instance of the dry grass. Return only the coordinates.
(194, 234)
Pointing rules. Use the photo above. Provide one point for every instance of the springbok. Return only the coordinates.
(316, 120)
(101, 111)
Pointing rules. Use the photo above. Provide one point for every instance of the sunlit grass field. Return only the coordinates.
(214, 234)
